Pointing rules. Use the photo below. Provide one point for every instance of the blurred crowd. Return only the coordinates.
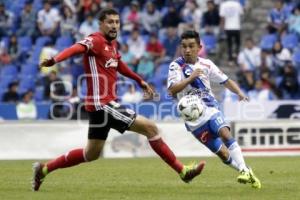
(31, 30)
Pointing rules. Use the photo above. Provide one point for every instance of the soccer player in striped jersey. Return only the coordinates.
(191, 75)
(101, 64)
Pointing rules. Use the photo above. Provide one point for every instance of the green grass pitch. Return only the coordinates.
(151, 179)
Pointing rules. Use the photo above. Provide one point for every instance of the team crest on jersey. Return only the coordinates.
(106, 48)
(188, 72)
(111, 63)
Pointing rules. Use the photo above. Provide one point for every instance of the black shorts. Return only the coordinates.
(112, 115)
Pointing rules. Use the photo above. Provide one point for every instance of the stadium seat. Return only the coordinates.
(39, 94)
(296, 57)
(35, 56)
(210, 43)
(145, 37)
(267, 41)
(124, 38)
(5, 41)
(24, 43)
(9, 70)
(29, 69)
(290, 41)
(37, 5)
(26, 83)
(63, 42)
(5, 81)
(41, 41)
(162, 71)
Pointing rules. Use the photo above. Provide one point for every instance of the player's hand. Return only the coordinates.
(47, 62)
(243, 97)
(148, 91)
(196, 73)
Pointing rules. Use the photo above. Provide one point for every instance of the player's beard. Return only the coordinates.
(111, 35)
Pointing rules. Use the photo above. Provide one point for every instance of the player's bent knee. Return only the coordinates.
(91, 155)
(151, 130)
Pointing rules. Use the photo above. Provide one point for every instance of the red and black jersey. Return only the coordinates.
(101, 61)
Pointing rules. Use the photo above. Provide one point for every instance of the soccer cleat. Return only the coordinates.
(38, 176)
(191, 171)
(249, 177)
(255, 182)
(244, 177)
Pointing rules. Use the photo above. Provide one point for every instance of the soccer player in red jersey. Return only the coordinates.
(101, 64)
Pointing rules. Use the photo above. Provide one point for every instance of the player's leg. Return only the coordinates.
(123, 119)
(97, 135)
(224, 155)
(71, 158)
(246, 174)
(147, 128)
(233, 147)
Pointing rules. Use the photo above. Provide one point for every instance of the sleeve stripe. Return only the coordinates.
(223, 82)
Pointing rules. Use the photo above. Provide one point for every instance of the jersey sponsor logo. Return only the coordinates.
(204, 137)
(111, 63)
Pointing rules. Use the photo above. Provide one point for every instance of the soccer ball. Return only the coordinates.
(190, 107)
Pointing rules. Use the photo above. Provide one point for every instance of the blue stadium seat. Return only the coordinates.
(37, 5)
(124, 38)
(63, 42)
(39, 94)
(25, 43)
(9, 70)
(145, 38)
(210, 42)
(162, 71)
(29, 69)
(16, 7)
(290, 41)
(41, 41)
(296, 57)
(6, 80)
(35, 56)
(26, 83)
(267, 41)
(5, 41)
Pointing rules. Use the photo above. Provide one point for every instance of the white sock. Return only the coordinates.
(232, 163)
(237, 157)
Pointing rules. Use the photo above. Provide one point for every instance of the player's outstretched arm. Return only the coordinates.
(126, 71)
(233, 87)
(66, 53)
(148, 91)
(178, 87)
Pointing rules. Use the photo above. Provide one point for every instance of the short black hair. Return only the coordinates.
(107, 11)
(190, 34)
